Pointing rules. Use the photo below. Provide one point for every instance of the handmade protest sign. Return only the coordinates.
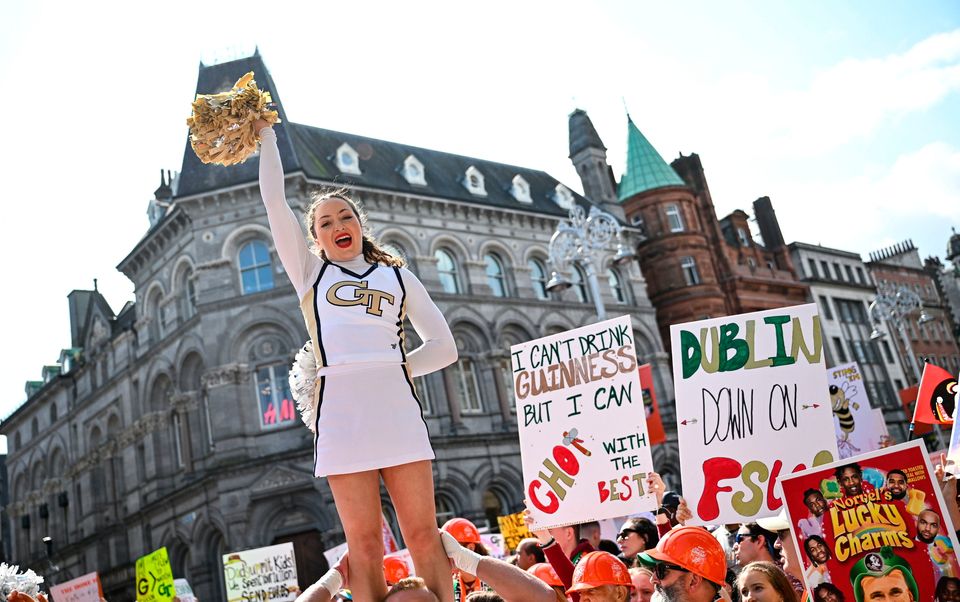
(583, 431)
(184, 591)
(155, 577)
(261, 574)
(86, 588)
(513, 530)
(752, 405)
(654, 422)
(870, 523)
(854, 420)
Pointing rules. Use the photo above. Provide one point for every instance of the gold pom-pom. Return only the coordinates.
(221, 126)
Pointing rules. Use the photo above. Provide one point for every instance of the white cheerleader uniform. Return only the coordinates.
(366, 413)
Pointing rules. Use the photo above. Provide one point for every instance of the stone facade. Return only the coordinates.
(900, 266)
(843, 289)
(165, 425)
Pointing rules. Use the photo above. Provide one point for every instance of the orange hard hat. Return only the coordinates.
(462, 530)
(395, 569)
(597, 569)
(694, 549)
(544, 572)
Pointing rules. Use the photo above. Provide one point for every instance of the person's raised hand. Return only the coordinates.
(343, 567)
(259, 124)
(656, 485)
(542, 535)
(683, 512)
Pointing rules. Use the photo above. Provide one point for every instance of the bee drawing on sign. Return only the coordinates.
(840, 402)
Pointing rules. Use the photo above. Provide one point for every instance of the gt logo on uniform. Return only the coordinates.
(370, 297)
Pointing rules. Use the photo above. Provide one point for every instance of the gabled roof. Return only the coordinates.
(646, 169)
(196, 177)
(84, 305)
(312, 150)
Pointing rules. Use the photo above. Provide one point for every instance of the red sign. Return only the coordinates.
(654, 424)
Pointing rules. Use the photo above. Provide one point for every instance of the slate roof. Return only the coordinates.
(646, 169)
(582, 133)
(313, 150)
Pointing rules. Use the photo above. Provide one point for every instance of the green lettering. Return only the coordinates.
(781, 358)
(728, 341)
(689, 353)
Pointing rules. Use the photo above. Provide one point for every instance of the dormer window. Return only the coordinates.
(413, 171)
(520, 189)
(348, 161)
(473, 181)
(562, 196)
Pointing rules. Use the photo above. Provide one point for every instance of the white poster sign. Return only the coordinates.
(335, 553)
(752, 403)
(854, 420)
(583, 429)
(261, 574)
(82, 589)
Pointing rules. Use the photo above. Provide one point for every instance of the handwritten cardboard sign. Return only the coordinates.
(86, 588)
(752, 405)
(854, 420)
(155, 577)
(583, 430)
(513, 530)
(870, 523)
(262, 574)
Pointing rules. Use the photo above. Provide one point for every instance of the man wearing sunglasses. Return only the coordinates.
(690, 565)
(755, 543)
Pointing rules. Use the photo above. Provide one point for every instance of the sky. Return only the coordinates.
(847, 115)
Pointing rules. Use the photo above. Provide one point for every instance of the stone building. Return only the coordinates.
(843, 289)
(696, 265)
(947, 279)
(929, 332)
(169, 423)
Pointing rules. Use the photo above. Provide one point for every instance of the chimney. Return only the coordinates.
(768, 224)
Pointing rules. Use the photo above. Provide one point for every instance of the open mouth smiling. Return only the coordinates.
(343, 240)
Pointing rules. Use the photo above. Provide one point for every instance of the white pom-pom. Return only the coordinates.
(303, 381)
(12, 579)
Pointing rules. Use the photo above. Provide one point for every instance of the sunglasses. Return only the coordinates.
(740, 537)
(626, 533)
(660, 569)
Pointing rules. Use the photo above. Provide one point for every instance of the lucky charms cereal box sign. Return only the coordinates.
(583, 430)
(873, 527)
(752, 404)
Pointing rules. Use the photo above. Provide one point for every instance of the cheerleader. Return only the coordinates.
(365, 414)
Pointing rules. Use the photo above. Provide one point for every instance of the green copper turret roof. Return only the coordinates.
(646, 169)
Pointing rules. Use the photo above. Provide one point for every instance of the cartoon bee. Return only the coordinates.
(839, 398)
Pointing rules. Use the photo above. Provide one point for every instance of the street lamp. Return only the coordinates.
(585, 239)
(893, 304)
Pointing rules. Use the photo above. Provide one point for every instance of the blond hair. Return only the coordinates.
(372, 250)
(408, 583)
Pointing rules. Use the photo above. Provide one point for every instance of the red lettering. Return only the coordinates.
(566, 460)
(286, 410)
(626, 495)
(773, 502)
(604, 492)
(549, 508)
(270, 416)
(714, 471)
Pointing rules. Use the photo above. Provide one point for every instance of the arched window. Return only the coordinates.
(495, 276)
(447, 271)
(578, 281)
(189, 291)
(538, 277)
(616, 286)
(469, 386)
(256, 270)
(398, 250)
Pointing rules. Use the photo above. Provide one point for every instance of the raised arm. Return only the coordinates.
(439, 349)
(288, 237)
(512, 583)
